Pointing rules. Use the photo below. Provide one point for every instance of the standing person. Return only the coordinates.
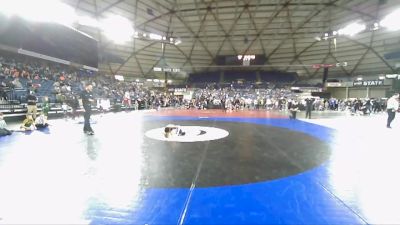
(392, 107)
(46, 107)
(294, 106)
(309, 105)
(87, 99)
(74, 106)
(32, 108)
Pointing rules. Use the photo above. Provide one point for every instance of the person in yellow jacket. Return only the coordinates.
(28, 124)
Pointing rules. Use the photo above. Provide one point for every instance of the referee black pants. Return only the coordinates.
(86, 116)
(391, 116)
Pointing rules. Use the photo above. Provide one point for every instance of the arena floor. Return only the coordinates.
(248, 167)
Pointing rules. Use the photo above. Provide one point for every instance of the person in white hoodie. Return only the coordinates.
(392, 107)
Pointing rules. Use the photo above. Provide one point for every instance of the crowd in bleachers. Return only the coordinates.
(231, 98)
(20, 75)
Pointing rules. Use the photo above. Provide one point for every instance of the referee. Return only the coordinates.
(87, 99)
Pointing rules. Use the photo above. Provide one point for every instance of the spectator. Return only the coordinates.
(3, 94)
(46, 107)
(294, 107)
(32, 108)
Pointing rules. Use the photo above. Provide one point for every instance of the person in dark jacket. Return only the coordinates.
(87, 100)
(32, 108)
(309, 106)
(293, 108)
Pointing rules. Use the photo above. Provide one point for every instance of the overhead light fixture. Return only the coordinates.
(149, 80)
(177, 42)
(137, 80)
(169, 81)
(318, 38)
(392, 21)
(359, 78)
(155, 37)
(381, 77)
(117, 28)
(352, 29)
(392, 76)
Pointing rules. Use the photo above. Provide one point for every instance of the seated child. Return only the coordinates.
(173, 130)
(41, 122)
(28, 124)
(3, 126)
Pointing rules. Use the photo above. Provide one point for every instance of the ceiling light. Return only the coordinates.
(359, 78)
(352, 29)
(117, 28)
(177, 42)
(155, 37)
(392, 21)
(381, 77)
(392, 76)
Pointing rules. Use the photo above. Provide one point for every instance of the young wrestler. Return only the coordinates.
(28, 124)
(173, 130)
(41, 121)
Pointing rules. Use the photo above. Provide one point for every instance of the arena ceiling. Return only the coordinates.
(284, 30)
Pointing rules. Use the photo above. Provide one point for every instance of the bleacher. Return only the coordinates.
(245, 76)
(278, 77)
